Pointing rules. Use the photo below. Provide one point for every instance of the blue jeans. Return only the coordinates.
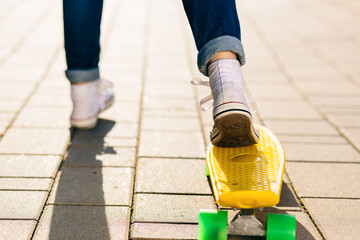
(214, 23)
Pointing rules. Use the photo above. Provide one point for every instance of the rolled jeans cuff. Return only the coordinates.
(219, 44)
(87, 75)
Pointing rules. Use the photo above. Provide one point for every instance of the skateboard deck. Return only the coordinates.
(247, 177)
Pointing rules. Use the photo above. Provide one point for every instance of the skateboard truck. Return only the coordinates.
(245, 224)
(213, 225)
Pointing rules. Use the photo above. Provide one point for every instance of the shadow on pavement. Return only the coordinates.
(287, 205)
(79, 206)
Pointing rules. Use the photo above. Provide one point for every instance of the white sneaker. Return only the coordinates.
(89, 99)
(233, 124)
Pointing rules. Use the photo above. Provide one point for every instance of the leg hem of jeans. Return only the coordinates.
(219, 44)
(77, 75)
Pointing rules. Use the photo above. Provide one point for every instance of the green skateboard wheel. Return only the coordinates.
(212, 225)
(281, 227)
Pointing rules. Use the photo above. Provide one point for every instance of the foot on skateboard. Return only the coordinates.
(247, 177)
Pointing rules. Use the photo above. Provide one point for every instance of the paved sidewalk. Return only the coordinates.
(139, 174)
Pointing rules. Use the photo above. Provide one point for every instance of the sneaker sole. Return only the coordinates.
(84, 123)
(234, 128)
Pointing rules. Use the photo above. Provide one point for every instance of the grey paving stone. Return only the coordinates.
(16, 229)
(93, 186)
(317, 71)
(347, 120)
(48, 89)
(122, 112)
(85, 155)
(49, 100)
(325, 179)
(2, 130)
(335, 100)
(161, 50)
(122, 66)
(207, 117)
(288, 201)
(330, 88)
(21, 204)
(127, 92)
(10, 105)
(110, 128)
(169, 104)
(343, 110)
(83, 222)
(295, 127)
(168, 89)
(29, 166)
(170, 208)
(25, 184)
(319, 139)
(171, 176)
(170, 124)
(164, 231)
(305, 229)
(157, 62)
(353, 134)
(321, 152)
(296, 110)
(271, 91)
(28, 74)
(35, 141)
(336, 218)
(4, 124)
(107, 141)
(286, 180)
(7, 116)
(44, 117)
(173, 113)
(268, 76)
(171, 144)
(13, 90)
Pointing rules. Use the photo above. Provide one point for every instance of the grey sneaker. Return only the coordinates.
(90, 99)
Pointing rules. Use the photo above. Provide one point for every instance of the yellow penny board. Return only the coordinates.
(247, 177)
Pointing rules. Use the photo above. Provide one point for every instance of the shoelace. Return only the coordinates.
(105, 84)
(205, 102)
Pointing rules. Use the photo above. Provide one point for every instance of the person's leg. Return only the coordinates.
(216, 30)
(82, 20)
(215, 27)
(89, 93)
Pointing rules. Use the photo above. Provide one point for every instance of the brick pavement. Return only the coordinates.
(137, 174)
